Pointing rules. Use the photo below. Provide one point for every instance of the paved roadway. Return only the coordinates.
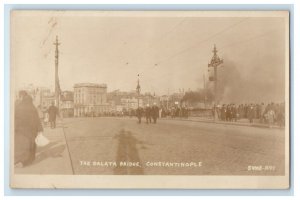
(95, 143)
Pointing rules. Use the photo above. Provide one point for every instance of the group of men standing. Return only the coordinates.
(151, 113)
(265, 113)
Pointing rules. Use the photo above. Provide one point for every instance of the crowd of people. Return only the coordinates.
(151, 113)
(174, 112)
(264, 113)
(271, 114)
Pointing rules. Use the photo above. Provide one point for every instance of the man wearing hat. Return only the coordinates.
(139, 114)
(154, 112)
(148, 114)
(53, 111)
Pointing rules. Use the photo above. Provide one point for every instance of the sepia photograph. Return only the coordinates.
(149, 99)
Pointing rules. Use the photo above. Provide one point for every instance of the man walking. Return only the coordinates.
(148, 114)
(139, 113)
(53, 111)
(155, 113)
(251, 113)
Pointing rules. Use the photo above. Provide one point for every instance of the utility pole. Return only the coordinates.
(214, 63)
(57, 87)
(138, 90)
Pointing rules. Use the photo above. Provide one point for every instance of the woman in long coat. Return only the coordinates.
(27, 126)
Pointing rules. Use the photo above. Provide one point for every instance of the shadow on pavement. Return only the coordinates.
(127, 152)
(49, 151)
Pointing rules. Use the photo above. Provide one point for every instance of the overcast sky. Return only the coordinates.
(167, 52)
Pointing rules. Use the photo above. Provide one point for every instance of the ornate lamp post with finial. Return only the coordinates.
(214, 63)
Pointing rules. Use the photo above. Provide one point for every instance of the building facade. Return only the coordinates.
(90, 99)
(47, 100)
(150, 99)
(131, 103)
(66, 106)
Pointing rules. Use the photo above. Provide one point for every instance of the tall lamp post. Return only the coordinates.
(215, 62)
(57, 87)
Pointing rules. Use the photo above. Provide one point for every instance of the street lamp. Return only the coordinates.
(214, 63)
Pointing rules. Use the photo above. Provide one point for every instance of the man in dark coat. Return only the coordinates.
(139, 114)
(148, 114)
(52, 115)
(234, 112)
(154, 113)
(223, 113)
(251, 113)
(27, 126)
